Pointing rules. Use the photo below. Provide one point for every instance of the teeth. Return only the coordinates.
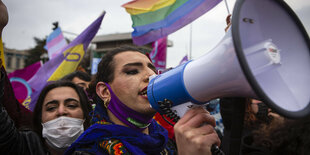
(143, 93)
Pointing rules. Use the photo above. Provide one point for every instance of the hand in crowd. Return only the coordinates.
(228, 22)
(276, 117)
(195, 132)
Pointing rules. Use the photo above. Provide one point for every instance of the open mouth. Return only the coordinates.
(143, 92)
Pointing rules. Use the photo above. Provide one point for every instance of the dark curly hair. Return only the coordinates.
(291, 137)
(79, 74)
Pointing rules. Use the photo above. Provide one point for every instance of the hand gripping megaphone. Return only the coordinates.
(264, 55)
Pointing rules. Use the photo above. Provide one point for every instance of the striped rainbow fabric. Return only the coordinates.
(154, 19)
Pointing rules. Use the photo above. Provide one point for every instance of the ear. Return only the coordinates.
(103, 91)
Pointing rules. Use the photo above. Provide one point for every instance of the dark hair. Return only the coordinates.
(79, 74)
(289, 137)
(105, 71)
(250, 120)
(37, 113)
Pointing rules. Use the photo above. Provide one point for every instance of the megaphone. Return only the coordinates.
(264, 55)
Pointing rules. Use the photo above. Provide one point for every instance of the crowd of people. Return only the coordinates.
(110, 114)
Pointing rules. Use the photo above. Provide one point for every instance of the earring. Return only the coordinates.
(106, 103)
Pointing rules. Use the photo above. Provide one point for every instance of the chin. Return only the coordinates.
(149, 111)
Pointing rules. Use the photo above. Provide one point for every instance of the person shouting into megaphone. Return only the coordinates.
(123, 119)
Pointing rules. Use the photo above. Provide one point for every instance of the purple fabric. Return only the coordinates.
(39, 80)
(21, 116)
(19, 80)
(185, 59)
(165, 31)
(122, 112)
(158, 54)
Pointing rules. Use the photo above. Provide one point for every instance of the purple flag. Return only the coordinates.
(19, 80)
(158, 54)
(185, 59)
(64, 63)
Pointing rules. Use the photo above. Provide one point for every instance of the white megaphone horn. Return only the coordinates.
(264, 55)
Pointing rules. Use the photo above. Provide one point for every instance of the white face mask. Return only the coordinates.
(63, 131)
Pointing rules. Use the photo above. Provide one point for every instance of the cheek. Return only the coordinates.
(47, 116)
(78, 114)
(124, 86)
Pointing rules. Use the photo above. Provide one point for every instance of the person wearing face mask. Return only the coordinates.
(60, 116)
(123, 119)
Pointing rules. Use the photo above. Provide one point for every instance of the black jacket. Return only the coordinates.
(13, 141)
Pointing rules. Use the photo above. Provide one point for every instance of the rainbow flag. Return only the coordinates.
(55, 42)
(64, 63)
(154, 19)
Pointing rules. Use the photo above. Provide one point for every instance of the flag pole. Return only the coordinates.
(190, 42)
(227, 7)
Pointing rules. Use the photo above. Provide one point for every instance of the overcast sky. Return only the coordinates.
(34, 18)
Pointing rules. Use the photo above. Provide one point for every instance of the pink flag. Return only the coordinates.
(55, 42)
(19, 80)
(158, 54)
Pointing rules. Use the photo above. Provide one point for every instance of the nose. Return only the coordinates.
(62, 111)
(149, 73)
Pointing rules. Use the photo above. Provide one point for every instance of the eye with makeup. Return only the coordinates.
(131, 71)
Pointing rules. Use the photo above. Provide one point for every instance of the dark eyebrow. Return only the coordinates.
(71, 99)
(134, 64)
(150, 65)
(51, 102)
(56, 101)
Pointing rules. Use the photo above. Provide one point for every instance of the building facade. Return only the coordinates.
(104, 43)
(14, 59)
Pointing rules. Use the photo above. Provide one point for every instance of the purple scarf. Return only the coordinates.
(128, 116)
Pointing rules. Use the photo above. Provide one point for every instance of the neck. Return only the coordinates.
(115, 120)
(54, 151)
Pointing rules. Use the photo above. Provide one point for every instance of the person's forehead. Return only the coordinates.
(61, 93)
(130, 57)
